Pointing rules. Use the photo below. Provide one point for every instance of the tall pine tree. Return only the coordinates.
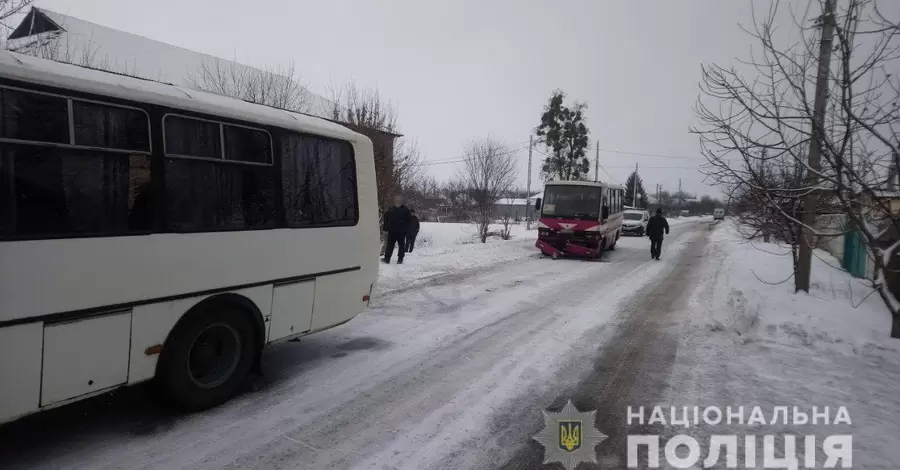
(635, 179)
(565, 134)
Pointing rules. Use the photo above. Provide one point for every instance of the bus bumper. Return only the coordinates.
(569, 248)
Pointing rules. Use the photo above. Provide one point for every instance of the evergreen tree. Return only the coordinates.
(635, 179)
(565, 135)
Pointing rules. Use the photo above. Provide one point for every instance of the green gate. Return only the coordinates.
(855, 256)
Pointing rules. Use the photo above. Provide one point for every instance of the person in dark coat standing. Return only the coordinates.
(655, 228)
(413, 231)
(396, 223)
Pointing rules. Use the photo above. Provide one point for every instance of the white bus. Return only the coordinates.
(149, 231)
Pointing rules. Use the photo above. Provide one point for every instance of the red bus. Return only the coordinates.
(580, 218)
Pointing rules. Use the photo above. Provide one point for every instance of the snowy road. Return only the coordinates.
(451, 373)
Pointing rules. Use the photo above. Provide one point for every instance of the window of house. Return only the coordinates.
(319, 181)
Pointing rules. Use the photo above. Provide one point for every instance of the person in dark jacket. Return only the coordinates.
(655, 228)
(396, 223)
(413, 231)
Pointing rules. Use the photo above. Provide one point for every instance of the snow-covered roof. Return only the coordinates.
(584, 183)
(135, 55)
(886, 194)
(55, 74)
(512, 202)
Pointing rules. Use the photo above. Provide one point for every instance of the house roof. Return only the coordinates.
(513, 202)
(31, 69)
(595, 184)
(886, 194)
(128, 53)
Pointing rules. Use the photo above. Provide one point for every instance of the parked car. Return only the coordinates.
(635, 222)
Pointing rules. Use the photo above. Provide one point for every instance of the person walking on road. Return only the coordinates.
(396, 223)
(655, 228)
(413, 231)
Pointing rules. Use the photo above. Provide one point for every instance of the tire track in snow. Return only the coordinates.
(631, 369)
(419, 391)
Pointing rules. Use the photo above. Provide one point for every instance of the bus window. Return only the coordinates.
(319, 181)
(217, 189)
(247, 145)
(98, 125)
(192, 137)
(78, 190)
(34, 117)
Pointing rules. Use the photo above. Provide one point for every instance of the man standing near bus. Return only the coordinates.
(655, 228)
(413, 231)
(396, 224)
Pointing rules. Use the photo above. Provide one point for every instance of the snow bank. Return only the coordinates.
(442, 248)
(685, 220)
(748, 291)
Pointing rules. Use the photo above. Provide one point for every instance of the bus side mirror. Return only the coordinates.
(537, 204)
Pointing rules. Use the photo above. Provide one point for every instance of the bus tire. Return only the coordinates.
(207, 357)
(613, 246)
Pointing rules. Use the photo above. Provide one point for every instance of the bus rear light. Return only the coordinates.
(366, 298)
(153, 350)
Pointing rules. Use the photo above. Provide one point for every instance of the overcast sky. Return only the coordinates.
(464, 69)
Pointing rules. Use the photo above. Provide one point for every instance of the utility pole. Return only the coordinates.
(597, 164)
(634, 188)
(811, 199)
(679, 198)
(528, 185)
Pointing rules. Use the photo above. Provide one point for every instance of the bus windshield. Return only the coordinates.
(572, 202)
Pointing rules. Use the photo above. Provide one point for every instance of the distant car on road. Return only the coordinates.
(635, 222)
(719, 214)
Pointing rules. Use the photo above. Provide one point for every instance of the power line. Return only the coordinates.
(656, 155)
(659, 167)
(462, 158)
(598, 164)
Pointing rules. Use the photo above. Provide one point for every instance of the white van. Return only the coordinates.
(718, 214)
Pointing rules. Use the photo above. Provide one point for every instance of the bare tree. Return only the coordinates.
(397, 160)
(275, 86)
(363, 108)
(9, 11)
(458, 198)
(489, 172)
(757, 127)
(422, 195)
(506, 216)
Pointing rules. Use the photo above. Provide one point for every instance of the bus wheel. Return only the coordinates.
(207, 357)
(613, 246)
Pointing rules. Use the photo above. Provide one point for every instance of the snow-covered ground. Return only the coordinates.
(749, 292)
(467, 342)
(750, 341)
(429, 377)
(443, 248)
